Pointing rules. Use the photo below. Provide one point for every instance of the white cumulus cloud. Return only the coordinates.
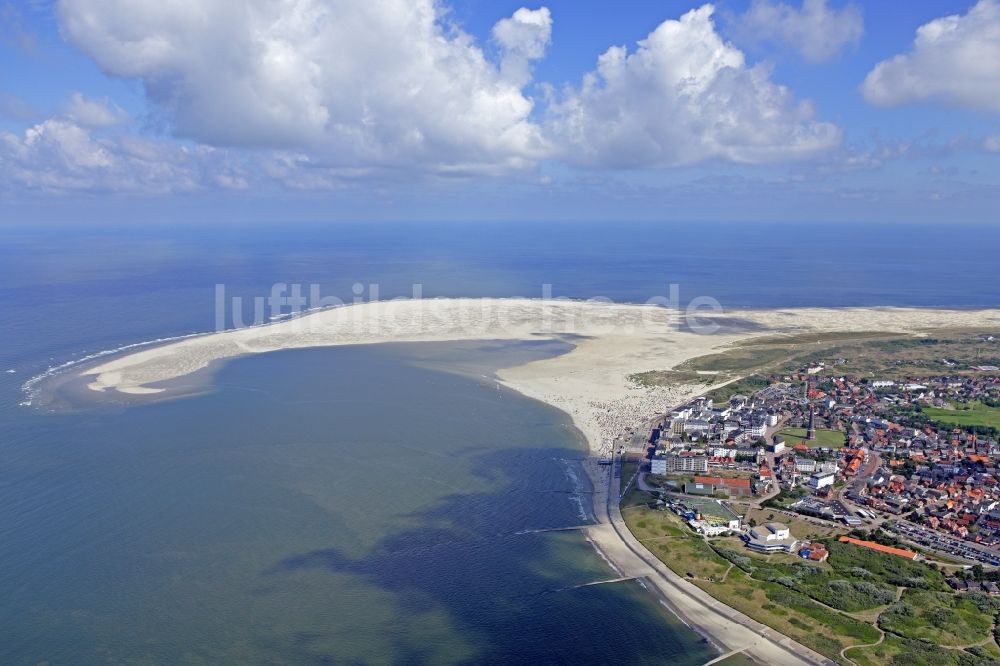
(92, 112)
(523, 37)
(954, 61)
(816, 31)
(683, 96)
(385, 83)
(325, 94)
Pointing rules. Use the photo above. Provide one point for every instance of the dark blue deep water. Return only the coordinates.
(359, 505)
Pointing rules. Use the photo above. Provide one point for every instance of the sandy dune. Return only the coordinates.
(611, 342)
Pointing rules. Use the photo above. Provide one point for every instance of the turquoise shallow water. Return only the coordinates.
(348, 505)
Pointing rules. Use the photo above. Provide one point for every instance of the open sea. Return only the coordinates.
(360, 504)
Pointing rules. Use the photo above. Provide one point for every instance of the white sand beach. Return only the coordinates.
(590, 383)
(611, 342)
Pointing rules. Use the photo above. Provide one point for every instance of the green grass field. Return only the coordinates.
(674, 377)
(790, 612)
(737, 359)
(830, 438)
(945, 619)
(746, 386)
(709, 508)
(818, 338)
(970, 414)
(867, 354)
(895, 650)
(634, 496)
(864, 353)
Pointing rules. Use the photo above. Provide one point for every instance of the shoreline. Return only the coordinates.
(610, 340)
(589, 383)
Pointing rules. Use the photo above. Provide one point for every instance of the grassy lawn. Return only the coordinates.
(832, 605)
(867, 353)
(895, 650)
(664, 535)
(944, 619)
(970, 414)
(834, 439)
(788, 611)
(817, 338)
(628, 469)
(674, 377)
(843, 590)
(634, 496)
(710, 508)
(746, 386)
(864, 564)
(648, 524)
(792, 613)
(785, 498)
(736, 360)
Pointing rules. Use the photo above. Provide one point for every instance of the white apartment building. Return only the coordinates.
(671, 463)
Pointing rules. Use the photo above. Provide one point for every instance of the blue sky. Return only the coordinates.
(798, 110)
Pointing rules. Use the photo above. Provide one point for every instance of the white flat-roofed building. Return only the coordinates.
(714, 529)
(817, 481)
(770, 538)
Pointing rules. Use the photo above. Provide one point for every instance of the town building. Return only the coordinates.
(710, 485)
(818, 481)
(814, 552)
(771, 538)
(805, 465)
(871, 545)
(673, 463)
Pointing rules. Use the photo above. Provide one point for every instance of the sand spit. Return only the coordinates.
(590, 382)
(611, 342)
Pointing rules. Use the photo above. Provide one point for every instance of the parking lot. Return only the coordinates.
(944, 543)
